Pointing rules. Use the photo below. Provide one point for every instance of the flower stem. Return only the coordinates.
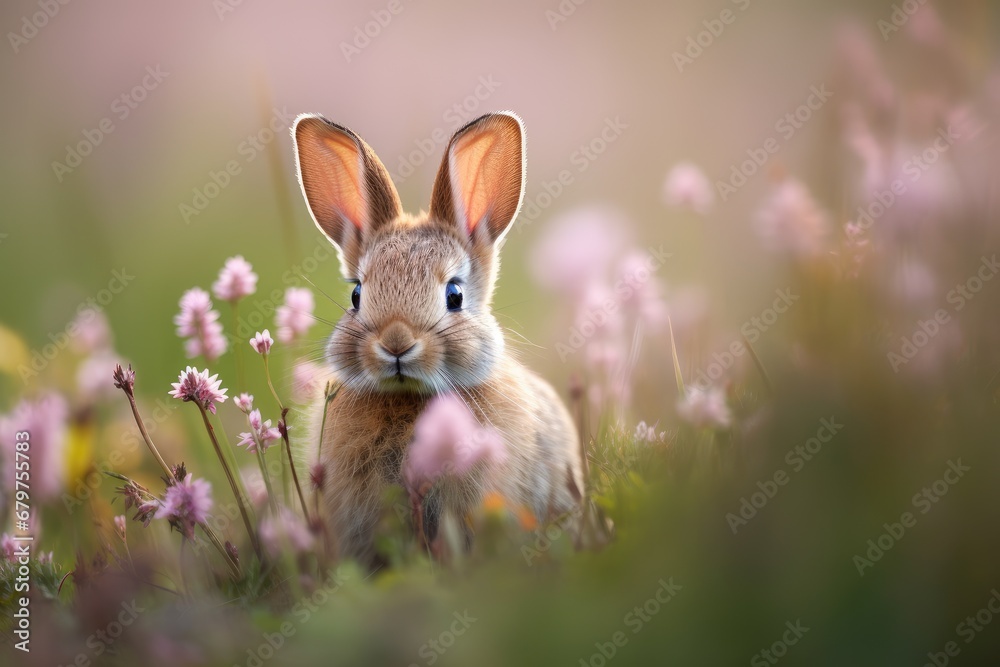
(145, 436)
(232, 482)
(267, 374)
(291, 464)
(234, 567)
(267, 478)
(281, 407)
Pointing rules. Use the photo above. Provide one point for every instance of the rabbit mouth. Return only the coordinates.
(401, 382)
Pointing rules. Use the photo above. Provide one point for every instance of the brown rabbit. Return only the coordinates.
(421, 325)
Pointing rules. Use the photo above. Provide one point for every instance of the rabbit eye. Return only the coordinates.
(453, 296)
(356, 296)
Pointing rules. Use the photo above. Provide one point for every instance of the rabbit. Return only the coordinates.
(421, 325)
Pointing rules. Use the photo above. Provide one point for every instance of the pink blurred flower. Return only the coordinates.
(863, 73)
(448, 441)
(186, 504)
(262, 342)
(686, 186)
(791, 221)
(244, 402)
(260, 435)
(308, 378)
(647, 303)
(45, 420)
(198, 386)
(925, 27)
(578, 248)
(90, 332)
(704, 407)
(197, 322)
(294, 317)
(688, 308)
(120, 523)
(236, 280)
(914, 282)
(287, 529)
(254, 483)
(94, 374)
(145, 512)
(859, 138)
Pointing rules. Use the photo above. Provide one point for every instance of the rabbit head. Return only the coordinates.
(420, 318)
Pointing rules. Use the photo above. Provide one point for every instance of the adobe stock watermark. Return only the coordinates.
(635, 620)
(32, 24)
(714, 27)
(562, 12)
(924, 501)
(121, 108)
(301, 613)
(786, 127)
(796, 458)
(40, 358)
(246, 152)
(432, 650)
(900, 16)
(958, 298)
(591, 321)
(913, 169)
(454, 117)
(968, 629)
(752, 330)
(580, 160)
(779, 649)
(364, 34)
(102, 641)
(548, 535)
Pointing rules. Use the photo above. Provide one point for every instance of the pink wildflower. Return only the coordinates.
(120, 525)
(197, 322)
(186, 504)
(285, 529)
(260, 435)
(448, 441)
(294, 317)
(578, 248)
(308, 379)
(198, 386)
(687, 187)
(236, 280)
(90, 331)
(45, 420)
(647, 433)
(262, 342)
(792, 222)
(704, 407)
(244, 402)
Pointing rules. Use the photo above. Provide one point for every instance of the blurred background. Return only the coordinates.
(810, 188)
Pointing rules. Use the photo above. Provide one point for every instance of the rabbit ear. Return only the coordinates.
(346, 186)
(481, 180)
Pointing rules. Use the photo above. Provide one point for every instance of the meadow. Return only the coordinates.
(756, 257)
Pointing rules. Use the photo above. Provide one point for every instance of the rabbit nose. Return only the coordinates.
(397, 340)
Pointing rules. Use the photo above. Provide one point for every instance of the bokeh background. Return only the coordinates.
(232, 72)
